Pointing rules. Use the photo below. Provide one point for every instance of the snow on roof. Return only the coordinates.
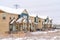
(19, 20)
(26, 21)
(12, 21)
(32, 14)
(11, 10)
(44, 17)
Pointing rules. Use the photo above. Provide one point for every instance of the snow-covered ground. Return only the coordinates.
(42, 35)
(33, 38)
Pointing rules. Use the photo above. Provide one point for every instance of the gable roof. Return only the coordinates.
(12, 21)
(43, 17)
(32, 14)
(20, 20)
(11, 10)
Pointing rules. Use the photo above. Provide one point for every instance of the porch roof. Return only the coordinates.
(26, 21)
(19, 20)
(12, 21)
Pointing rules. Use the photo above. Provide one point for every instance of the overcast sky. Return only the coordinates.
(41, 7)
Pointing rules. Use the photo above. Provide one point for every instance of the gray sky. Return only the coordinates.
(42, 7)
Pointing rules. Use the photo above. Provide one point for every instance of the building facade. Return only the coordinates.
(19, 20)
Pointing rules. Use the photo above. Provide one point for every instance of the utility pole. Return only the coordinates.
(16, 6)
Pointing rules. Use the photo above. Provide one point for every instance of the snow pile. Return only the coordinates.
(55, 38)
(53, 31)
(42, 39)
(19, 39)
(57, 30)
(39, 32)
(34, 38)
(7, 39)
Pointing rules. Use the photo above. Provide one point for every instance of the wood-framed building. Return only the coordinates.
(16, 20)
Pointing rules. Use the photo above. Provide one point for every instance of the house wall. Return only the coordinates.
(4, 23)
(40, 25)
(31, 18)
(48, 25)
